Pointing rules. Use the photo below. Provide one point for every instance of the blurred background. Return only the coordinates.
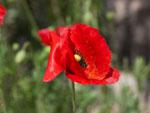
(124, 23)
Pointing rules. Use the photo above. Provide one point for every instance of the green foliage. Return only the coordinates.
(128, 101)
(141, 71)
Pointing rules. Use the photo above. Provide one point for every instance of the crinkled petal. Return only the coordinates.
(93, 48)
(45, 35)
(54, 66)
(57, 58)
(112, 77)
(78, 79)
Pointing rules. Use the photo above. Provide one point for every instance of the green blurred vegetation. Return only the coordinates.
(22, 64)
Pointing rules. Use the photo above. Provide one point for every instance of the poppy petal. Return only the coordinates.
(45, 35)
(93, 48)
(54, 66)
(57, 58)
(112, 77)
(2, 14)
(78, 79)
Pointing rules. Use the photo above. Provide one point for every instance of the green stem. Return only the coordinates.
(73, 98)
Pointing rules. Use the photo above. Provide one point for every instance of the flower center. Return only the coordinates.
(77, 57)
(80, 60)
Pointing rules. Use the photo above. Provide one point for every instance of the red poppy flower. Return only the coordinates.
(2, 14)
(81, 52)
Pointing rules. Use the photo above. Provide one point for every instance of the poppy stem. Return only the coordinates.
(73, 98)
